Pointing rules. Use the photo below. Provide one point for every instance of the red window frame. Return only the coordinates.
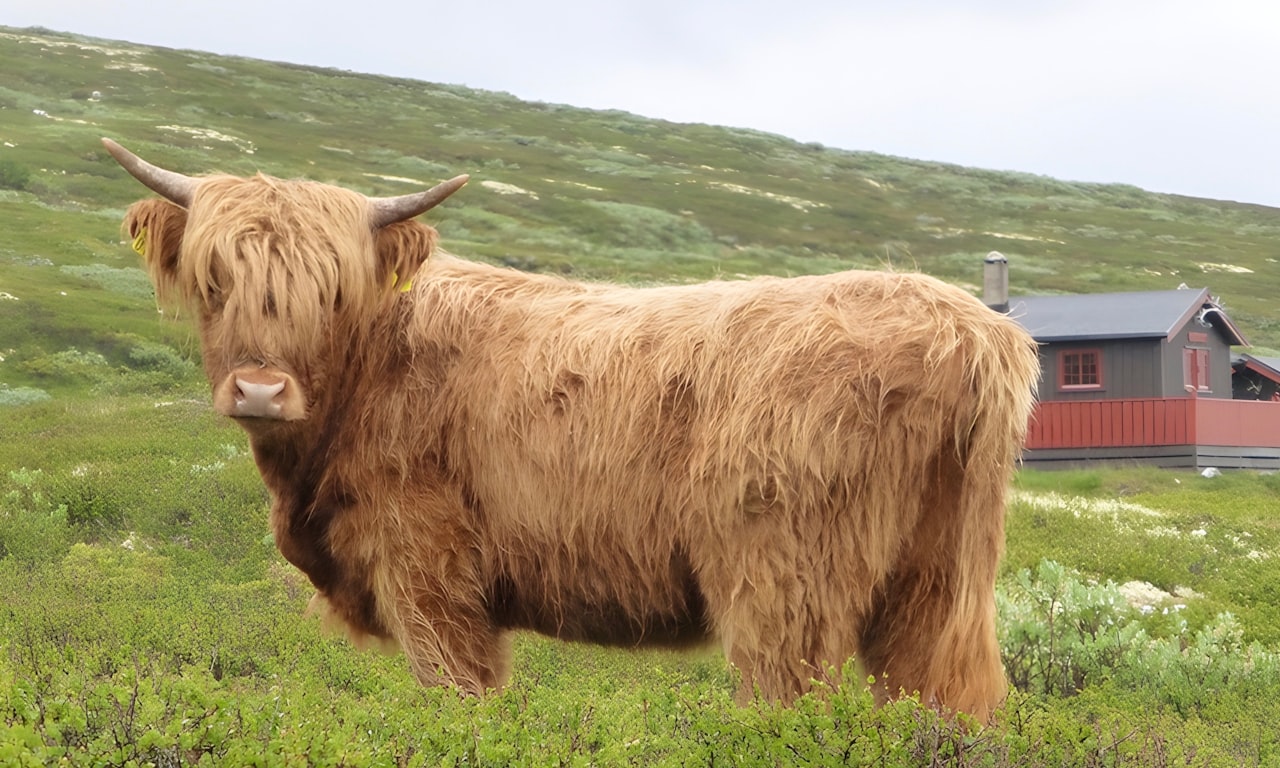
(1195, 369)
(1079, 369)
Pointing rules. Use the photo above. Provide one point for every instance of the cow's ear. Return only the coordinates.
(155, 228)
(402, 248)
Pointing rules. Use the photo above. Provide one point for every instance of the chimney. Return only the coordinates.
(995, 281)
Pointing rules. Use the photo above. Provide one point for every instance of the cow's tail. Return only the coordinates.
(967, 674)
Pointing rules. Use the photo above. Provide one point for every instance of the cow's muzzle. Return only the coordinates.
(260, 393)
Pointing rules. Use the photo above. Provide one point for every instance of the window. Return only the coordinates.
(1080, 369)
(1195, 368)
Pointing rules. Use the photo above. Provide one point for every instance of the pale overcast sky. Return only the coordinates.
(1177, 96)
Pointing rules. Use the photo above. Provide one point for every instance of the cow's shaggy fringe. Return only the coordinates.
(807, 469)
(270, 259)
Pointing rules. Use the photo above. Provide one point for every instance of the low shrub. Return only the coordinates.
(69, 365)
(13, 175)
(21, 395)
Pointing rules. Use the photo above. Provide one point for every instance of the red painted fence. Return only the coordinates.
(1237, 422)
(1154, 422)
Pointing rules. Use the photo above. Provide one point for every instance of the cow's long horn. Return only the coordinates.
(173, 186)
(389, 210)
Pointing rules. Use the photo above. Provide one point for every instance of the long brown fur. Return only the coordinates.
(806, 469)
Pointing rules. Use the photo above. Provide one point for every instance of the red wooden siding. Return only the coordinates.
(1111, 423)
(1153, 422)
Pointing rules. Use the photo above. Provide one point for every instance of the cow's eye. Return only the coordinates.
(269, 305)
(214, 299)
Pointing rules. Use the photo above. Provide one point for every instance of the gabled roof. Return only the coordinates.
(1265, 366)
(1135, 315)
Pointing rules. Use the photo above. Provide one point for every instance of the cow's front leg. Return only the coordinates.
(421, 558)
(449, 639)
(431, 582)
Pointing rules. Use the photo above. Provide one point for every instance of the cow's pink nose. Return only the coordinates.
(257, 399)
(260, 393)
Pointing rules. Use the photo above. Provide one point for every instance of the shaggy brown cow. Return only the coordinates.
(806, 469)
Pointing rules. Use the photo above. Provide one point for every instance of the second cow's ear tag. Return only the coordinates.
(140, 242)
(404, 287)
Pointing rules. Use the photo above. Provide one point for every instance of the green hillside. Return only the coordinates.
(595, 194)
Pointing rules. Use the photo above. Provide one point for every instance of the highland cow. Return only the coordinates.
(805, 469)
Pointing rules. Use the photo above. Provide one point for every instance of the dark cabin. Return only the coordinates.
(1255, 378)
(1141, 377)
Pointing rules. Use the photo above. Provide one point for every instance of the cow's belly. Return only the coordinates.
(601, 602)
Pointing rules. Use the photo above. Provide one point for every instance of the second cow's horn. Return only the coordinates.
(389, 210)
(174, 187)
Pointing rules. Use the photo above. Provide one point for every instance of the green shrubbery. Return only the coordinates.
(148, 620)
(69, 365)
(120, 654)
(13, 175)
(143, 366)
(1062, 634)
(126, 281)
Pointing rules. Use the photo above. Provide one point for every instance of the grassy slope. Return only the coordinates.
(616, 195)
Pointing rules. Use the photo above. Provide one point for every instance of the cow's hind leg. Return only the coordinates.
(931, 629)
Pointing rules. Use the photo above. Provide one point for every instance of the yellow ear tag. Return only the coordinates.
(404, 287)
(140, 242)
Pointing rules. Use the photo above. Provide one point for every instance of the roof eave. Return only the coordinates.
(1097, 337)
(1261, 368)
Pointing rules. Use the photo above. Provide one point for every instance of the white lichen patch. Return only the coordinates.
(935, 230)
(110, 51)
(56, 119)
(1024, 238)
(401, 179)
(1139, 593)
(799, 203)
(941, 232)
(208, 134)
(1211, 267)
(131, 66)
(1125, 516)
(575, 184)
(503, 188)
(1135, 520)
(6, 296)
(1079, 505)
(1148, 598)
(48, 42)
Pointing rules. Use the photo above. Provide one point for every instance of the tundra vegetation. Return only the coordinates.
(146, 618)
